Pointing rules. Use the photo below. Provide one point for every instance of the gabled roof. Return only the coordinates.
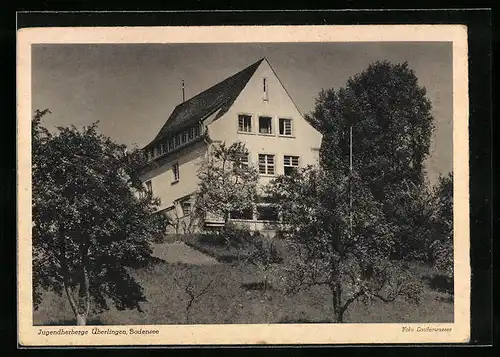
(218, 97)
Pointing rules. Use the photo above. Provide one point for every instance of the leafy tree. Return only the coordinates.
(226, 183)
(92, 219)
(442, 247)
(347, 250)
(392, 125)
(415, 209)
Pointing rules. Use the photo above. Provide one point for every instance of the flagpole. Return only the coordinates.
(350, 181)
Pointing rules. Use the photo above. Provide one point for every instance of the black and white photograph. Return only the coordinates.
(249, 186)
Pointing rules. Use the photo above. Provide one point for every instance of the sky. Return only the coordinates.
(133, 88)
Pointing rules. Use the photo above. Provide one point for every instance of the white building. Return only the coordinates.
(253, 107)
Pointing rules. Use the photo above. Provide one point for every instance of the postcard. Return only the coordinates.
(243, 185)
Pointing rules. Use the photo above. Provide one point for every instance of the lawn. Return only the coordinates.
(234, 296)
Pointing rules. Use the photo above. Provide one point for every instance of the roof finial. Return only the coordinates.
(183, 94)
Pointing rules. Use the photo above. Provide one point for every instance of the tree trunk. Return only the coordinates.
(338, 313)
(336, 289)
(65, 270)
(81, 320)
(84, 292)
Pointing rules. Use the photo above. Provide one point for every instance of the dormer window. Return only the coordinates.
(265, 89)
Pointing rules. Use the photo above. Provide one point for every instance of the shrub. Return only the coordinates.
(236, 235)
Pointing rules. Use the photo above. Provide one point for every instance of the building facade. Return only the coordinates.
(253, 107)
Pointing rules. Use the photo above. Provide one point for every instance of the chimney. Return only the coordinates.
(183, 94)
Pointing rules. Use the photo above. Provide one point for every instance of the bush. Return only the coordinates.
(211, 239)
(236, 235)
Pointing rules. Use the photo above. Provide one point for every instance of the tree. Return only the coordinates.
(342, 246)
(194, 289)
(414, 207)
(265, 256)
(442, 247)
(392, 125)
(92, 219)
(226, 182)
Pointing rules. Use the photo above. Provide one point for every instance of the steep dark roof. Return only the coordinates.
(220, 96)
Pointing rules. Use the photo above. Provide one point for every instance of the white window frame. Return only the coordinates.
(288, 161)
(267, 165)
(244, 161)
(245, 115)
(284, 127)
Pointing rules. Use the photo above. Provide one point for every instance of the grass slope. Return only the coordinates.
(228, 300)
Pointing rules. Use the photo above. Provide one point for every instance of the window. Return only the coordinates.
(285, 127)
(197, 130)
(267, 213)
(186, 207)
(290, 163)
(265, 125)
(184, 136)
(149, 187)
(243, 214)
(175, 171)
(245, 123)
(191, 134)
(178, 140)
(266, 164)
(170, 145)
(265, 89)
(242, 161)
